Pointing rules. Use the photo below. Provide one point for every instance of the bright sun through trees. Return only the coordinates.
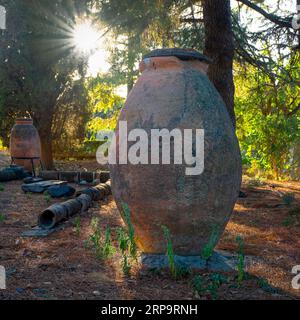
(86, 37)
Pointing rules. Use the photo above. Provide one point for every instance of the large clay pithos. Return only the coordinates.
(25, 143)
(173, 91)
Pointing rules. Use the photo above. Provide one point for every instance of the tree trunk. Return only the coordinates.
(219, 46)
(44, 127)
(46, 146)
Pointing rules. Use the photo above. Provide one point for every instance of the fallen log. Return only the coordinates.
(57, 213)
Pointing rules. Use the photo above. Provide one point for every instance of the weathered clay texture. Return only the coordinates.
(172, 93)
(25, 142)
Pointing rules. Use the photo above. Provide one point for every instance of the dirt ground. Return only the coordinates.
(60, 266)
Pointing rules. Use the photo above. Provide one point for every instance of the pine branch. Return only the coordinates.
(282, 22)
(293, 112)
(191, 20)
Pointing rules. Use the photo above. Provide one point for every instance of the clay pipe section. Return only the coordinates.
(57, 213)
(75, 176)
(98, 192)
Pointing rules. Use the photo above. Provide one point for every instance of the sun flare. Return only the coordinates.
(85, 37)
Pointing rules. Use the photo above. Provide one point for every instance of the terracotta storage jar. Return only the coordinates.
(174, 91)
(25, 143)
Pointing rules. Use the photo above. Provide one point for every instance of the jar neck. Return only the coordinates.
(27, 121)
(171, 62)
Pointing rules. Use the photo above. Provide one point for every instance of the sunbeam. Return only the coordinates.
(85, 37)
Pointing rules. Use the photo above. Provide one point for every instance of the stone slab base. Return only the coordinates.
(39, 232)
(221, 261)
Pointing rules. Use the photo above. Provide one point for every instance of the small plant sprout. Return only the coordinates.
(2, 217)
(241, 259)
(123, 240)
(107, 249)
(218, 278)
(208, 249)
(208, 286)
(132, 243)
(170, 252)
(198, 285)
(177, 272)
(123, 243)
(125, 265)
(102, 247)
(77, 224)
(47, 197)
(1, 187)
(94, 223)
(28, 195)
(94, 239)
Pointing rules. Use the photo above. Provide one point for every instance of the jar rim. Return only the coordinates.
(180, 53)
(26, 120)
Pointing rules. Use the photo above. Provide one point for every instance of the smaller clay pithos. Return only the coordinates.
(25, 143)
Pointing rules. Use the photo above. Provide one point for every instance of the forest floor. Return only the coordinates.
(61, 266)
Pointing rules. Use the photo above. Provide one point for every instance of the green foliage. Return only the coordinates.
(216, 281)
(134, 36)
(241, 260)
(41, 73)
(2, 187)
(124, 241)
(208, 249)
(105, 106)
(103, 247)
(95, 223)
(126, 267)
(108, 249)
(267, 123)
(212, 289)
(177, 272)
(47, 197)
(208, 285)
(132, 243)
(94, 239)
(198, 285)
(77, 224)
(70, 123)
(2, 217)
(170, 253)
